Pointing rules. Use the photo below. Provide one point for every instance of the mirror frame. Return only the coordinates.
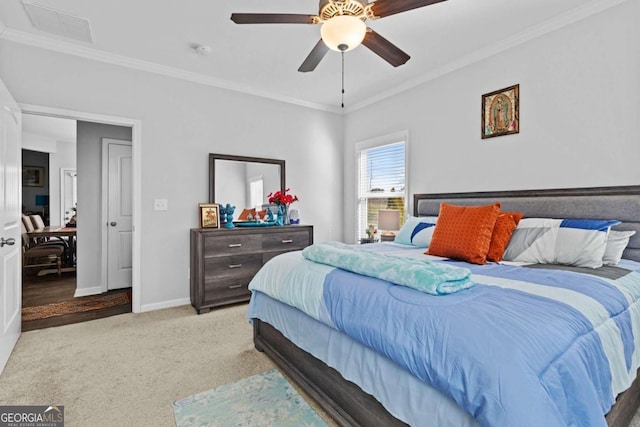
(212, 169)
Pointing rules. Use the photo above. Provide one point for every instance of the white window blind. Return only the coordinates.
(381, 183)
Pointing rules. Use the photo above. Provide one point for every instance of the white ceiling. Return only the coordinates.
(263, 59)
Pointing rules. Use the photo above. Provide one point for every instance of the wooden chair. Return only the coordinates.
(27, 223)
(27, 226)
(41, 255)
(37, 221)
(38, 224)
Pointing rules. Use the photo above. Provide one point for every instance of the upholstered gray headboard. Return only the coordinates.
(621, 203)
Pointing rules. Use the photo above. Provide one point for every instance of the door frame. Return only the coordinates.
(63, 188)
(105, 205)
(136, 151)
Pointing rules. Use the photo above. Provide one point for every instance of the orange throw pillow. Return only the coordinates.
(464, 232)
(505, 224)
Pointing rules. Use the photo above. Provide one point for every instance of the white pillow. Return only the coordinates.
(617, 241)
(417, 231)
(577, 242)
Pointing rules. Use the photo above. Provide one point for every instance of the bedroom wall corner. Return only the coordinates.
(578, 116)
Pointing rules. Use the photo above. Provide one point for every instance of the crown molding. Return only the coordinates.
(592, 8)
(551, 25)
(86, 52)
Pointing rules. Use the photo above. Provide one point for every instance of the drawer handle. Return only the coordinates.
(235, 265)
(235, 286)
(235, 245)
(288, 241)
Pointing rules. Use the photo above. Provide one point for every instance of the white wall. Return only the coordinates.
(34, 142)
(181, 123)
(579, 110)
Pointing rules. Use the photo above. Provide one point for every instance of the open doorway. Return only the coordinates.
(74, 205)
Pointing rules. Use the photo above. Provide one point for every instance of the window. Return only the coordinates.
(381, 181)
(255, 192)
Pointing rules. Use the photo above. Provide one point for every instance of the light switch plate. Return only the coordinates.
(160, 205)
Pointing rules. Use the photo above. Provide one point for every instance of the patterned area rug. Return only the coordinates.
(266, 399)
(77, 305)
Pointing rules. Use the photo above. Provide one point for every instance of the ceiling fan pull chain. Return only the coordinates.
(342, 53)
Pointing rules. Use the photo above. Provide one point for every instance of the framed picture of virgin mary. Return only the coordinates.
(500, 112)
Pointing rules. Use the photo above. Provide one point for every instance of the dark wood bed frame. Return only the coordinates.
(350, 406)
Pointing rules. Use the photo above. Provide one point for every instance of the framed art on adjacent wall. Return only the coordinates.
(500, 112)
(33, 176)
(209, 215)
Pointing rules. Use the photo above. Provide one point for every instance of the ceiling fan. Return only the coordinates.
(343, 27)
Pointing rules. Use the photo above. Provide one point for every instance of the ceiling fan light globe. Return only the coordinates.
(343, 30)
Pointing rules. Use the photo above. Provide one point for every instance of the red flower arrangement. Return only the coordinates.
(282, 198)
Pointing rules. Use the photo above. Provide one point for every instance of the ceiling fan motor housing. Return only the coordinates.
(330, 8)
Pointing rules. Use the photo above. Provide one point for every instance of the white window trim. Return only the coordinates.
(253, 179)
(402, 135)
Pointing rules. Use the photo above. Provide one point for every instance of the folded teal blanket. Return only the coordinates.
(434, 278)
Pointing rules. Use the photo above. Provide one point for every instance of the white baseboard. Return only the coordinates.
(165, 304)
(83, 292)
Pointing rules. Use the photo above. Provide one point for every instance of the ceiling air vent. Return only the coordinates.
(59, 23)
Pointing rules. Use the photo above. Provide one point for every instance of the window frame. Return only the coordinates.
(388, 139)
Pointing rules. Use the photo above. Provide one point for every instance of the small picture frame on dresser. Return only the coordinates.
(209, 215)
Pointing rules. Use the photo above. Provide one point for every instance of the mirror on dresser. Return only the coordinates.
(244, 182)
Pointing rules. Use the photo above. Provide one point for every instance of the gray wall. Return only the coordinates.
(89, 167)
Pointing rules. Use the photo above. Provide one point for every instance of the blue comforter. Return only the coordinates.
(523, 347)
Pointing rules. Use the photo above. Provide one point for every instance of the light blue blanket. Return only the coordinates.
(522, 347)
(425, 276)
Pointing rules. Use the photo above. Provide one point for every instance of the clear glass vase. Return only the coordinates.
(283, 215)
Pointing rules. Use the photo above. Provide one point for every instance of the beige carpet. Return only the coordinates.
(126, 370)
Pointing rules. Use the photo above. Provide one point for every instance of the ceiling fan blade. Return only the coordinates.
(384, 48)
(271, 18)
(315, 56)
(383, 8)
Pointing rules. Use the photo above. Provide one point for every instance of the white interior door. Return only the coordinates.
(120, 216)
(10, 233)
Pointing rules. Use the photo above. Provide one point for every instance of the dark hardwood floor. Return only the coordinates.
(49, 289)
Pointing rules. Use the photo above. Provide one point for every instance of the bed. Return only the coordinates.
(319, 357)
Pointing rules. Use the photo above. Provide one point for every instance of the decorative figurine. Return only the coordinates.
(223, 215)
(229, 212)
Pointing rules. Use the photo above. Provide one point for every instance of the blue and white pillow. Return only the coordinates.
(417, 231)
(577, 242)
(617, 242)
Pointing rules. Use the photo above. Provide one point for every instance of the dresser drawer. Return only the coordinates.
(219, 290)
(285, 241)
(229, 245)
(232, 266)
(223, 261)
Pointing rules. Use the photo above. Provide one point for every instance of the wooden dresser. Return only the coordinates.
(223, 261)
